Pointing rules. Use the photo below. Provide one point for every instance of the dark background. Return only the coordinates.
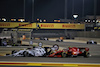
(45, 9)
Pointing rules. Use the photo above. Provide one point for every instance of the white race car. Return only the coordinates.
(36, 51)
(44, 38)
(59, 40)
(91, 42)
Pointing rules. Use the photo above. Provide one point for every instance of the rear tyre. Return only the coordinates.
(26, 54)
(86, 54)
(61, 40)
(57, 41)
(95, 42)
(87, 42)
(64, 54)
(90, 42)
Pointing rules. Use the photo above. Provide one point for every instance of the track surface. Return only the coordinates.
(94, 50)
(93, 59)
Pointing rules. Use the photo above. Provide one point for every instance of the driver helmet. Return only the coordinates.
(40, 44)
(56, 46)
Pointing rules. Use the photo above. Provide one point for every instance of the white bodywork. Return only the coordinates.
(92, 41)
(38, 51)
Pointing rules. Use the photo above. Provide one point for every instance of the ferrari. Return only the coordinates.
(71, 52)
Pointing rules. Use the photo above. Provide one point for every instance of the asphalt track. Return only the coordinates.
(93, 59)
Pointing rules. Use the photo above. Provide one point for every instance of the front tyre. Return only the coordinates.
(61, 40)
(87, 42)
(95, 42)
(86, 54)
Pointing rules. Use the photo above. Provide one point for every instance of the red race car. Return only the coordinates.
(70, 52)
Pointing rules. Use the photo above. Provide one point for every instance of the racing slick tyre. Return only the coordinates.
(64, 54)
(87, 42)
(14, 51)
(61, 40)
(86, 54)
(26, 54)
(95, 42)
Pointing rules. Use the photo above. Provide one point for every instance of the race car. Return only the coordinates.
(59, 40)
(44, 38)
(36, 51)
(91, 42)
(77, 51)
(71, 52)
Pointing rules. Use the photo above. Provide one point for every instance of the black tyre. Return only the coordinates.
(61, 40)
(14, 51)
(95, 42)
(86, 54)
(57, 41)
(87, 42)
(64, 54)
(26, 54)
(90, 42)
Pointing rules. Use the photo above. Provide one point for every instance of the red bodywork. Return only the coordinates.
(56, 54)
(71, 51)
(74, 51)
